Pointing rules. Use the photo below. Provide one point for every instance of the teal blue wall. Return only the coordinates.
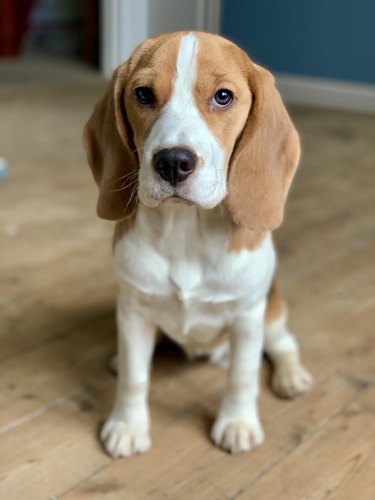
(323, 38)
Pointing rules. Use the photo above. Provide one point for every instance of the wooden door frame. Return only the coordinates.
(125, 23)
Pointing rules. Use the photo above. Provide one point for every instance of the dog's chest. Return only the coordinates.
(175, 262)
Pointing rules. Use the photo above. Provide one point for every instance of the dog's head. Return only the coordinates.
(190, 117)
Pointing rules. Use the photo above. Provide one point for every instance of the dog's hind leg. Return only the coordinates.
(289, 378)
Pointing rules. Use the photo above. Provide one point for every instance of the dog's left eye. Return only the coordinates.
(223, 98)
(145, 96)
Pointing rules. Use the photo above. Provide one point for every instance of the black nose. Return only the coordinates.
(174, 164)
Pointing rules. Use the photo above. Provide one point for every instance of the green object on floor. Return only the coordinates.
(3, 169)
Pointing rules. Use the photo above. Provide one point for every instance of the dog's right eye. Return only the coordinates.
(145, 96)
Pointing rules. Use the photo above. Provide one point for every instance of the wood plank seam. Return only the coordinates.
(306, 437)
(100, 469)
(77, 393)
(63, 333)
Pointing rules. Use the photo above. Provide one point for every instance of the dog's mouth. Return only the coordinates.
(154, 191)
(177, 199)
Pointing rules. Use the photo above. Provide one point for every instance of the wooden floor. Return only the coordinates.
(57, 326)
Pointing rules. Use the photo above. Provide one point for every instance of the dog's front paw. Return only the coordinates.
(237, 436)
(289, 381)
(123, 440)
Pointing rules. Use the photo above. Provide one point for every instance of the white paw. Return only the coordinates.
(237, 436)
(123, 440)
(292, 380)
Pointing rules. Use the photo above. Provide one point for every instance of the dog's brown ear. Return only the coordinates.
(108, 141)
(265, 157)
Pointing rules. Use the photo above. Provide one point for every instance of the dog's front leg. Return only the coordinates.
(127, 430)
(237, 427)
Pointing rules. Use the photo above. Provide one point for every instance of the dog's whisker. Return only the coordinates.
(138, 149)
(134, 191)
(123, 188)
(129, 174)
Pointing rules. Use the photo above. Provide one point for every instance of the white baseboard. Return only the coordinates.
(326, 93)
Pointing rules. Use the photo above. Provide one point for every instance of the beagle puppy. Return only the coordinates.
(194, 153)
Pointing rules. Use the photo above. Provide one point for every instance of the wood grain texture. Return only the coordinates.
(57, 329)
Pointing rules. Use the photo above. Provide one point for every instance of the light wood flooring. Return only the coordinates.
(57, 328)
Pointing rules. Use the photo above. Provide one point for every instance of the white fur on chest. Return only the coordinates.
(174, 264)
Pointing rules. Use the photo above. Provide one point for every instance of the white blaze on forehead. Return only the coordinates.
(186, 67)
(181, 122)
